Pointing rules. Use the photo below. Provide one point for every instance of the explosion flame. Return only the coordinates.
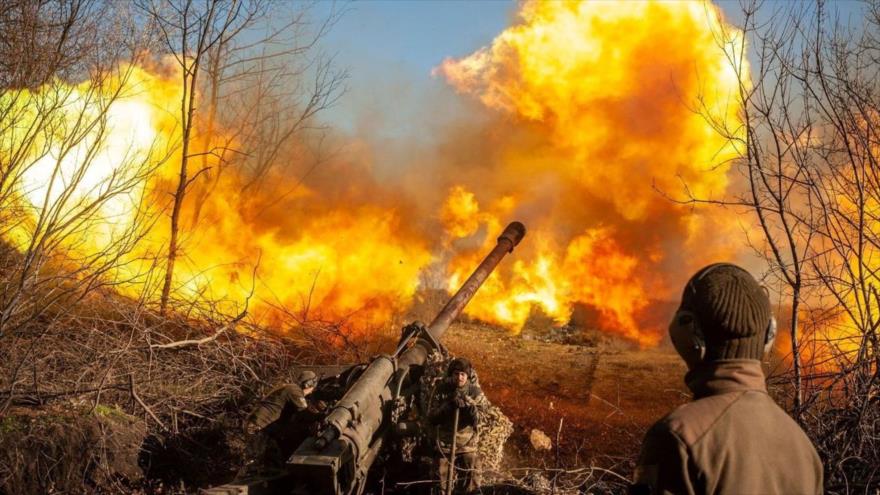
(335, 260)
(585, 122)
(594, 124)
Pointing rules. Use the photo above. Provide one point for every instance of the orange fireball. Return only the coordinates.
(594, 105)
(323, 258)
(586, 122)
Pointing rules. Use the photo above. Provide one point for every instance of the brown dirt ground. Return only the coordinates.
(604, 397)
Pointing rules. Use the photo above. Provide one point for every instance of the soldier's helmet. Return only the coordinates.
(459, 364)
(307, 379)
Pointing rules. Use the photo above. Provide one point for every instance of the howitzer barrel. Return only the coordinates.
(506, 242)
(337, 460)
(509, 239)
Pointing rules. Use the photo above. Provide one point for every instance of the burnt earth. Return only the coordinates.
(594, 401)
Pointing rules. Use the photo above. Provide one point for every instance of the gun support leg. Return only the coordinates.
(450, 480)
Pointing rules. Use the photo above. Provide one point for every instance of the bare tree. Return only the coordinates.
(267, 75)
(61, 191)
(265, 93)
(53, 133)
(810, 113)
(189, 30)
(772, 136)
(42, 40)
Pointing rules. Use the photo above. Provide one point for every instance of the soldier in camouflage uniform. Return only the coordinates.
(458, 392)
(281, 421)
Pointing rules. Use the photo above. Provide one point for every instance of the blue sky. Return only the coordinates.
(415, 34)
(390, 47)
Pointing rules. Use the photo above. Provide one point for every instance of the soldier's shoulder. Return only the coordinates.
(781, 420)
(288, 390)
(692, 420)
(474, 390)
(660, 440)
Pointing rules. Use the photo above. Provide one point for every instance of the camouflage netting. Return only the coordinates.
(494, 427)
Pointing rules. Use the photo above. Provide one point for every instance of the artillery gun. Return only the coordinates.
(337, 460)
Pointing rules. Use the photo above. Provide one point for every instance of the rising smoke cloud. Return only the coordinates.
(580, 119)
(594, 125)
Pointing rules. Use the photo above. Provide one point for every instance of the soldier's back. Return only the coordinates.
(279, 404)
(743, 442)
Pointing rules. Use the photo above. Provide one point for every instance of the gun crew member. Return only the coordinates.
(460, 393)
(732, 438)
(281, 420)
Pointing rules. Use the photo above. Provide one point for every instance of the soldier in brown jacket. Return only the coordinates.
(732, 438)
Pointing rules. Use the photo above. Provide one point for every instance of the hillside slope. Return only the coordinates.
(603, 396)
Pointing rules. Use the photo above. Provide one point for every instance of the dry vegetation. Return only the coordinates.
(809, 164)
(107, 393)
(594, 402)
(173, 382)
(98, 389)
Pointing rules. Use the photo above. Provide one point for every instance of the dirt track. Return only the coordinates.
(604, 396)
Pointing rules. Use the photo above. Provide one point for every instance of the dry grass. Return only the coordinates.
(115, 398)
(185, 381)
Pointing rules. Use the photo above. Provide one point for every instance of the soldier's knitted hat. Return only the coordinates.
(459, 364)
(732, 310)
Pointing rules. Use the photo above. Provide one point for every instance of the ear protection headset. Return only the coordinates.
(686, 334)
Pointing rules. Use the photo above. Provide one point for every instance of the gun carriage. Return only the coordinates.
(338, 459)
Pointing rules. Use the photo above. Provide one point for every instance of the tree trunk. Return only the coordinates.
(796, 353)
(213, 179)
(187, 111)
